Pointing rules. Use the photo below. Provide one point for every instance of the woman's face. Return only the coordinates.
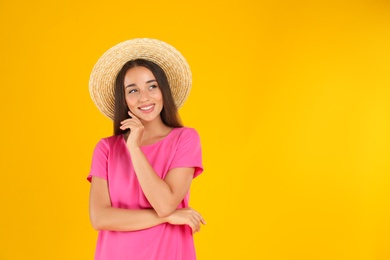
(142, 93)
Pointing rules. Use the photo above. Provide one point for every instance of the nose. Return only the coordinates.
(144, 96)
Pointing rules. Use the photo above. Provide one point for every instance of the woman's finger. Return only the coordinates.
(131, 120)
(199, 218)
(196, 223)
(130, 123)
(127, 125)
(133, 116)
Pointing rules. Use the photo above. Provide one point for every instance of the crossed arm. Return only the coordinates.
(105, 217)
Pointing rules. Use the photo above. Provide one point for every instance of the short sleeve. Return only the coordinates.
(188, 153)
(99, 160)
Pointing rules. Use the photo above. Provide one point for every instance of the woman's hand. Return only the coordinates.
(187, 216)
(136, 130)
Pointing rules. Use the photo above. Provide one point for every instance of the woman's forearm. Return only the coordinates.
(164, 197)
(116, 219)
(106, 217)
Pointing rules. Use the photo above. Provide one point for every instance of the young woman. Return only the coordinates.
(141, 176)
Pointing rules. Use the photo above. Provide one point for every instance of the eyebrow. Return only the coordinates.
(147, 82)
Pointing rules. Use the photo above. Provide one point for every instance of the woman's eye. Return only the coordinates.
(153, 86)
(132, 91)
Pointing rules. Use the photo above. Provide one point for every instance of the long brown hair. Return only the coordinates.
(169, 115)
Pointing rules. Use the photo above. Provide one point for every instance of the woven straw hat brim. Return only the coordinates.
(102, 79)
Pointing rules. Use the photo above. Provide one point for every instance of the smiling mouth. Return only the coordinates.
(146, 108)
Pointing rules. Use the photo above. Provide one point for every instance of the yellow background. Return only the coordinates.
(291, 99)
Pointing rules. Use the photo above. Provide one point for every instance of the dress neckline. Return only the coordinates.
(155, 143)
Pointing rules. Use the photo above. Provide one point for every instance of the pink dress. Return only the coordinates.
(111, 161)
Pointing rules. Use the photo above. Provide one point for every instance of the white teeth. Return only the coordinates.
(146, 108)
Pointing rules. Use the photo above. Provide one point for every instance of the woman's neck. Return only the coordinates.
(154, 131)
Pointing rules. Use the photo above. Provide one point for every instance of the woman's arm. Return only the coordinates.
(105, 217)
(163, 194)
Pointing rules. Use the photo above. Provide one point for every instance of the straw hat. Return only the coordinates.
(102, 79)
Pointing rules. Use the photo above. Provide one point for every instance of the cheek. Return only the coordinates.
(159, 96)
(130, 101)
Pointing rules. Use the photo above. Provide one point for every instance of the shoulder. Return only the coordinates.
(186, 132)
(110, 141)
(185, 136)
(112, 138)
